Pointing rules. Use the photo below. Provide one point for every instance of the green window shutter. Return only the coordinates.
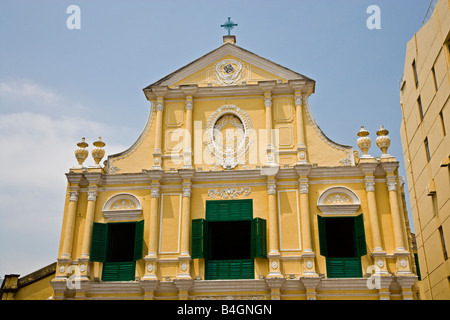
(229, 210)
(258, 238)
(99, 242)
(322, 236)
(360, 236)
(139, 240)
(198, 238)
(119, 271)
(344, 268)
(335, 268)
(416, 260)
(229, 269)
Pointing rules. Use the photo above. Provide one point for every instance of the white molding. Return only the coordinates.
(298, 221)
(122, 214)
(161, 222)
(341, 209)
(236, 52)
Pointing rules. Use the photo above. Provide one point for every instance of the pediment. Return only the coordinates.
(228, 65)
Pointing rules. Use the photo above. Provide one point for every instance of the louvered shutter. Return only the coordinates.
(139, 240)
(198, 241)
(360, 236)
(99, 242)
(322, 236)
(258, 238)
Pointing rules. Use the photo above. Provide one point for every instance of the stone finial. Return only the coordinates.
(364, 142)
(98, 153)
(383, 141)
(81, 153)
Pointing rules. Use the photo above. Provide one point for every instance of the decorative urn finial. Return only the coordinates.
(98, 153)
(364, 142)
(383, 141)
(81, 153)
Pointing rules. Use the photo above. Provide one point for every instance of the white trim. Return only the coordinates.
(341, 209)
(122, 214)
(237, 53)
(161, 221)
(298, 221)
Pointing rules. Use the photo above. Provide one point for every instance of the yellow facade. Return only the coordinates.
(426, 122)
(232, 191)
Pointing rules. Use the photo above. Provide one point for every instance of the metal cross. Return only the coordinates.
(229, 25)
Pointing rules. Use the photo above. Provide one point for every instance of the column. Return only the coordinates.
(301, 141)
(90, 211)
(267, 87)
(187, 150)
(304, 212)
(373, 212)
(403, 257)
(185, 257)
(274, 254)
(395, 212)
(152, 255)
(157, 156)
(378, 254)
(83, 269)
(308, 255)
(70, 222)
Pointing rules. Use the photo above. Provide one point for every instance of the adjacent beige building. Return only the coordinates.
(425, 129)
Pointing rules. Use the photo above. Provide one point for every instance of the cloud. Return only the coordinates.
(37, 149)
(25, 95)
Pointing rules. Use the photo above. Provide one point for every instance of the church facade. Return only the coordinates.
(232, 191)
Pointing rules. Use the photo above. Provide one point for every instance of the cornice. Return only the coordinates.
(236, 90)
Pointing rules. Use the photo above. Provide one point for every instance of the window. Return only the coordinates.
(416, 260)
(419, 104)
(441, 117)
(444, 249)
(433, 71)
(416, 79)
(343, 243)
(229, 239)
(118, 246)
(427, 149)
(435, 204)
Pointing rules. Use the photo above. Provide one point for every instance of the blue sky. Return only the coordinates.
(58, 85)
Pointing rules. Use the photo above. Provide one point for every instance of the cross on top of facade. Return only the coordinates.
(229, 25)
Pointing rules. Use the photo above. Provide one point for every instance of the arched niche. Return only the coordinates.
(123, 206)
(338, 201)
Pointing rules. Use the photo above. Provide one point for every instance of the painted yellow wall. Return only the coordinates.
(429, 49)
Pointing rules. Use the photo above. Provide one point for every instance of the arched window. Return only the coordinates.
(341, 232)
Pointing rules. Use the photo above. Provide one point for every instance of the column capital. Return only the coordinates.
(73, 196)
(155, 190)
(391, 185)
(92, 194)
